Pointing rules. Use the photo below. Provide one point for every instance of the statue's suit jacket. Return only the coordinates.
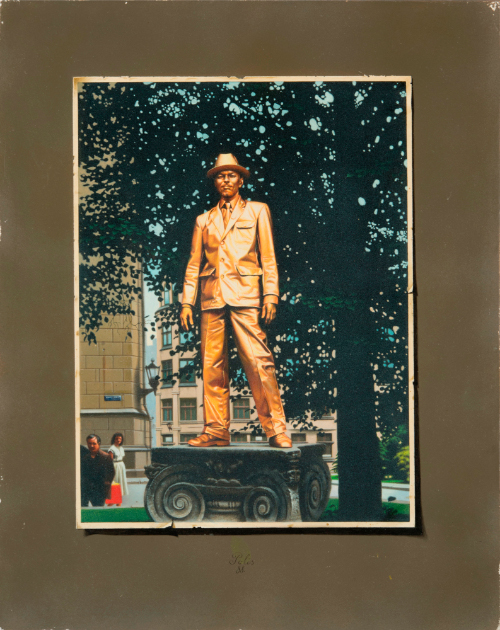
(232, 262)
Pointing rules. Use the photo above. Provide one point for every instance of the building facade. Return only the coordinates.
(179, 411)
(112, 388)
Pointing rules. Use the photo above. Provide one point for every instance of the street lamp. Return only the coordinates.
(153, 372)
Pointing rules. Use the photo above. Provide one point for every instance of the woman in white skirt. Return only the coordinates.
(117, 453)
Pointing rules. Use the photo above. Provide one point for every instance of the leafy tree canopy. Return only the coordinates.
(328, 158)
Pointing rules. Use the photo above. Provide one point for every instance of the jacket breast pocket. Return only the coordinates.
(244, 225)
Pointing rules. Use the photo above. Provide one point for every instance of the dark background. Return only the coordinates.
(447, 577)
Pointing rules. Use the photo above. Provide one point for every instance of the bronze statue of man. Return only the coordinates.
(232, 257)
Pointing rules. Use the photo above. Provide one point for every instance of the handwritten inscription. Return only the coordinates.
(240, 561)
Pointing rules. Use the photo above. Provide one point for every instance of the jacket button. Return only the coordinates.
(222, 259)
(222, 276)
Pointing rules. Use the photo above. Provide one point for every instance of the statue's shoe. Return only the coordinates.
(280, 441)
(205, 439)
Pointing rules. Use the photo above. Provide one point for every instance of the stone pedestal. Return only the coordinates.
(237, 484)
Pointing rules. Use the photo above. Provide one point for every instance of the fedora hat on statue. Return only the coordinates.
(227, 162)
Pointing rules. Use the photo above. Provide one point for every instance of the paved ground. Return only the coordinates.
(400, 492)
(135, 497)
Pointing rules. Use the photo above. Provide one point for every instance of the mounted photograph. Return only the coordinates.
(244, 315)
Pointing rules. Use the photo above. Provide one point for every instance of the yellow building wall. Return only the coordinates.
(115, 366)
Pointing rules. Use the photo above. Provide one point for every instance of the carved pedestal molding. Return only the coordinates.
(236, 484)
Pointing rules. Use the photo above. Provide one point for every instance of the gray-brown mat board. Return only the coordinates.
(445, 576)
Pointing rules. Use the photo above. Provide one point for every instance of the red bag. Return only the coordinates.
(116, 495)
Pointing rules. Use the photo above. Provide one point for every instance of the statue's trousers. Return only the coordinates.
(257, 362)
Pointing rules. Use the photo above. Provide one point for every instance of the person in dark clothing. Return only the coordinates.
(97, 473)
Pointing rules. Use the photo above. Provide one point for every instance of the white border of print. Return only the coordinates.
(411, 391)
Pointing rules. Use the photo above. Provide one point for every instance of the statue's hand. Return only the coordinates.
(268, 313)
(186, 318)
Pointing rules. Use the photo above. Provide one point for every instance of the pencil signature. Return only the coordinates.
(241, 561)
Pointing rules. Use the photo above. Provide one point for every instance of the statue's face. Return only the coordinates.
(228, 183)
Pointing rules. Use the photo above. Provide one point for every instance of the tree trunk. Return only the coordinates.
(359, 465)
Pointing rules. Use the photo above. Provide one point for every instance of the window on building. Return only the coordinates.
(239, 437)
(329, 413)
(166, 373)
(257, 438)
(241, 409)
(166, 296)
(188, 409)
(187, 372)
(167, 414)
(166, 336)
(327, 439)
(167, 439)
(298, 437)
(187, 436)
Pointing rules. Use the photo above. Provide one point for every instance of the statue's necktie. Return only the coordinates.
(226, 213)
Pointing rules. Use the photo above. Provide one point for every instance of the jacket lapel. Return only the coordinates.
(235, 215)
(216, 219)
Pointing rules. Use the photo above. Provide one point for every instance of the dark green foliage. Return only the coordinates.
(403, 463)
(395, 512)
(391, 446)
